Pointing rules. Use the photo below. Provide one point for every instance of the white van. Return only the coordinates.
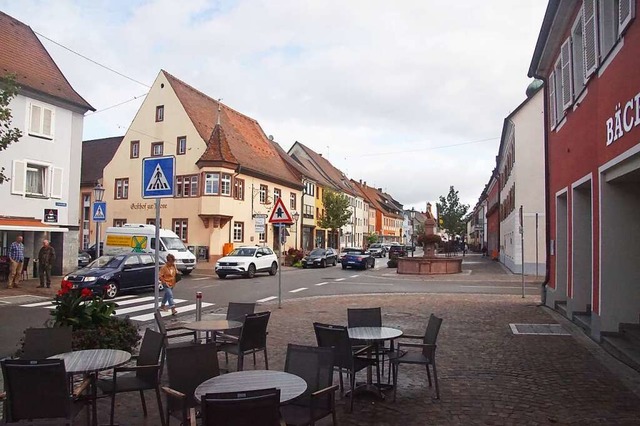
(141, 238)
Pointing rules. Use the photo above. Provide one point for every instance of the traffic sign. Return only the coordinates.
(99, 211)
(280, 214)
(158, 176)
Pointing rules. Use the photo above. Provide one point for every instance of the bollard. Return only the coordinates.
(198, 311)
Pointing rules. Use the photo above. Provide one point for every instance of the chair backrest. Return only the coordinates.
(160, 322)
(250, 408)
(314, 365)
(254, 331)
(189, 366)
(236, 312)
(431, 333)
(337, 338)
(364, 317)
(41, 343)
(36, 389)
(150, 352)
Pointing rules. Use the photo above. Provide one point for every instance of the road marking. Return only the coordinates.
(200, 279)
(497, 286)
(142, 307)
(340, 279)
(298, 289)
(181, 309)
(354, 276)
(372, 284)
(48, 302)
(136, 300)
(322, 283)
(266, 299)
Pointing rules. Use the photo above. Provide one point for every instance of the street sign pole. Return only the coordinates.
(280, 229)
(157, 256)
(522, 246)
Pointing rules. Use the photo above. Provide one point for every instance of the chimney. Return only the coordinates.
(365, 183)
(360, 181)
(379, 189)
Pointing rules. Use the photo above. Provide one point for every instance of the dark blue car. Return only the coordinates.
(358, 258)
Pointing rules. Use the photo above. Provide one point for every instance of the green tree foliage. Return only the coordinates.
(451, 214)
(373, 238)
(8, 90)
(337, 211)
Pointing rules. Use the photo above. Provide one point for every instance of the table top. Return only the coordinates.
(374, 333)
(93, 360)
(212, 325)
(290, 385)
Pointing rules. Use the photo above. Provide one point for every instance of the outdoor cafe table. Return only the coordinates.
(212, 326)
(290, 385)
(90, 362)
(375, 335)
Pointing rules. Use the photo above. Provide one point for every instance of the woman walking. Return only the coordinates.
(168, 277)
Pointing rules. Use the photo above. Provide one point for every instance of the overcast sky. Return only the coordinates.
(407, 95)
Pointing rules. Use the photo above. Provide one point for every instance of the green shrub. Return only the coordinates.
(116, 333)
(393, 262)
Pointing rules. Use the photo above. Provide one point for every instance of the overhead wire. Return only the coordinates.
(426, 149)
(116, 105)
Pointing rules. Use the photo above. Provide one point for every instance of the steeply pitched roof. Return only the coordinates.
(246, 144)
(22, 54)
(380, 201)
(96, 154)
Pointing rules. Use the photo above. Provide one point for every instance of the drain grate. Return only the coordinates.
(539, 329)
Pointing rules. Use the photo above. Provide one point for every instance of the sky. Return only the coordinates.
(409, 96)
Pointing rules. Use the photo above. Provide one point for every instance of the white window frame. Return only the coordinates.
(238, 232)
(157, 146)
(225, 184)
(210, 180)
(608, 30)
(122, 186)
(264, 189)
(590, 22)
(559, 90)
(181, 149)
(567, 74)
(39, 131)
(577, 53)
(277, 193)
(624, 21)
(40, 170)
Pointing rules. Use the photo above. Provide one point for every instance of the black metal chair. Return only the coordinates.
(41, 343)
(344, 358)
(368, 317)
(173, 332)
(426, 357)
(37, 392)
(236, 312)
(146, 377)
(249, 408)
(252, 339)
(315, 366)
(187, 368)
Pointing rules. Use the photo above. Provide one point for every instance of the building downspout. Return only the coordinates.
(547, 204)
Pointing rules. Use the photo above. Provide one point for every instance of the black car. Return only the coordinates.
(397, 251)
(84, 259)
(91, 251)
(358, 258)
(109, 275)
(320, 257)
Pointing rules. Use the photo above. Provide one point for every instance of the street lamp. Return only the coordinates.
(413, 244)
(98, 193)
(296, 216)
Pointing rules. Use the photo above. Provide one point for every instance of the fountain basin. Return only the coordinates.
(429, 265)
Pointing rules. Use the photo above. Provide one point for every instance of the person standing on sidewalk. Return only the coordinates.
(16, 257)
(168, 278)
(46, 257)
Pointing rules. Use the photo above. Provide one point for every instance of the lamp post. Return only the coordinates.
(413, 244)
(98, 193)
(296, 216)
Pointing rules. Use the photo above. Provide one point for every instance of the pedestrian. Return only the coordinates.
(46, 257)
(16, 257)
(169, 275)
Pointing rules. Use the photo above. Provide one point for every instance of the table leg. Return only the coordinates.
(369, 386)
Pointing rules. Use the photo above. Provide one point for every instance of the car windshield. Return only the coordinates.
(376, 245)
(354, 251)
(173, 243)
(106, 262)
(243, 252)
(317, 252)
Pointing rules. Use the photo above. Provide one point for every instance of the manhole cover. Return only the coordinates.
(539, 329)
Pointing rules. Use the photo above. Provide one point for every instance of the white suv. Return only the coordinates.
(247, 261)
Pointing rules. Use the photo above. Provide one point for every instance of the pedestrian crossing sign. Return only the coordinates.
(99, 211)
(158, 176)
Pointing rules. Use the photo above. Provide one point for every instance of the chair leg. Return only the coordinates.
(428, 374)
(352, 380)
(144, 403)
(113, 406)
(240, 364)
(254, 360)
(266, 360)
(395, 366)
(159, 399)
(435, 379)
(341, 382)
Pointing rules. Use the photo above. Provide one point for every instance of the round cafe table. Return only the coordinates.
(212, 326)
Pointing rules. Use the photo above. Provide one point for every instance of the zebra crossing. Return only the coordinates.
(137, 308)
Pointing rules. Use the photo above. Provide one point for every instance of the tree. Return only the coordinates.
(8, 90)
(373, 238)
(451, 213)
(336, 211)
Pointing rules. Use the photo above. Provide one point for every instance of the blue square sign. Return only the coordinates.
(158, 177)
(99, 211)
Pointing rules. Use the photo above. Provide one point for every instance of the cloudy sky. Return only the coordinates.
(408, 95)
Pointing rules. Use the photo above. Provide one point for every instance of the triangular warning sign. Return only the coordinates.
(280, 213)
(158, 181)
(99, 214)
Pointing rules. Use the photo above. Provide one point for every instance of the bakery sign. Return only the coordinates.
(624, 119)
(50, 216)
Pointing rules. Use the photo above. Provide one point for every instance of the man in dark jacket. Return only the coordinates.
(46, 257)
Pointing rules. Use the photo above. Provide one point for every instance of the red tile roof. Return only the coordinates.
(22, 54)
(243, 141)
(377, 199)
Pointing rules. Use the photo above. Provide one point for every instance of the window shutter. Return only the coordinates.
(567, 89)
(626, 13)
(56, 182)
(47, 122)
(18, 177)
(36, 112)
(552, 100)
(559, 90)
(590, 31)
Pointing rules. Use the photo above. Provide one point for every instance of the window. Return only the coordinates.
(187, 186)
(134, 149)
(607, 25)
(41, 121)
(160, 113)
(262, 237)
(309, 188)
(238, 189)
(308, 212)
(292, 201)
(225, 188)
(152, 221)
(238, 231)
(264, 190)
(36, 180)
(559, 90)
(122, 189)
(181, 145)
(566, 74)
(157, 149)
(590, 37)
(577, 53)
(212, 183)
(119, 222)
(318, 194)
(180, 227)
(276, 193)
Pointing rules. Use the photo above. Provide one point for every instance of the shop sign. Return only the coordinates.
(50, 216)
(624, 119)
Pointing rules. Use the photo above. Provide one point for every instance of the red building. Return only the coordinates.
(588, 54)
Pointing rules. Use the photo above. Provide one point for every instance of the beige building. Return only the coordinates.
(228, 172)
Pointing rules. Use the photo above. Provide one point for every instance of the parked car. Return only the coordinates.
(347, 250)
(108, 276)
(358, 258)
(398, 251)
(92, 250)
(84, 259)
(409, 247)
(377, 250)
(247, 261)
(320, 257)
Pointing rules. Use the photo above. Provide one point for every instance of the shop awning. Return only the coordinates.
(27, 224)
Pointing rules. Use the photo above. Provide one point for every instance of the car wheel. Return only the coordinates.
(373, 264)
(273, 269)
(222, 276)
(111, 290)
(344, 267)
(251, 272)
(335, 262)
(187, 272)
(323, 263)
(304, 266)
